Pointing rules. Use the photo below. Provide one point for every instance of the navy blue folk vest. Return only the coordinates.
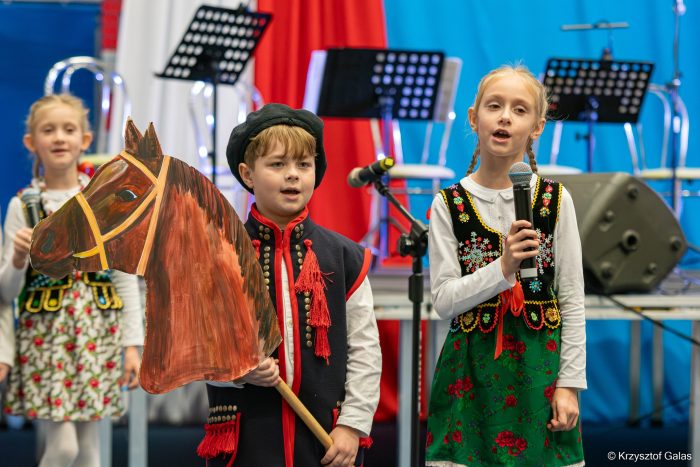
(269, 433)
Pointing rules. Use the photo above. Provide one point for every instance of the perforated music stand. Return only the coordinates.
(386, 84)
(215, 49)
(596, 91)
(374, 83)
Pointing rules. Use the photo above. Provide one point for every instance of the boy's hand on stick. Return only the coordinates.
(266, 374)
(344, 449)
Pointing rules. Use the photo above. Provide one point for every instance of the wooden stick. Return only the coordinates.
(304, 414)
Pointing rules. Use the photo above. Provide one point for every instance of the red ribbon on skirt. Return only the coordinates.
(512, 299)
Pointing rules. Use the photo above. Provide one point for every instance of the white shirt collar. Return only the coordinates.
(490, 194)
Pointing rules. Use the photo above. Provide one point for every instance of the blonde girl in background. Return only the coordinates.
(76, 339)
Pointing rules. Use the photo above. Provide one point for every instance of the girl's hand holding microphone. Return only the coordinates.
(521, 243)
(22, 242)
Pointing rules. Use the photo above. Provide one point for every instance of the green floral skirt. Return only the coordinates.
(495, 412)
(68, 362)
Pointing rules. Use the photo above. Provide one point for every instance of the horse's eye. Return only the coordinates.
(127, 195)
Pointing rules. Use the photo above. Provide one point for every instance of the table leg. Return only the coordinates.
(105, 430)
(403, 417)
(694, 430)
(138, 428)
(635, 362)
(657, 416)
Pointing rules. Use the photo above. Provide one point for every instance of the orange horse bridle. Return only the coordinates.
(155, 196)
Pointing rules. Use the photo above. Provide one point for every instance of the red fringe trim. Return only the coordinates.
(366, 442)
(220, 438)
(256, 245)
(312, 280)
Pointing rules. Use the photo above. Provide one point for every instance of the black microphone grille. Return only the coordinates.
(520, 173)
(354, 178)
(30, 195)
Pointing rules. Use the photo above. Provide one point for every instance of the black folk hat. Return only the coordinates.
(271, 115)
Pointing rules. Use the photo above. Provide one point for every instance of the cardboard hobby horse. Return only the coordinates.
(208, 313)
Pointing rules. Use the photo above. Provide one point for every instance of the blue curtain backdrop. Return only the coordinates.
(34, 36)
(488, 34)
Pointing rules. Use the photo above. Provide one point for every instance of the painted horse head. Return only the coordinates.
(208, 312)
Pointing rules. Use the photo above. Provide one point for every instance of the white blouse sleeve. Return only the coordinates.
(452, 293)
(364, 366)
(7, 334)
(568, 282)
(11, 278)
(132, 315)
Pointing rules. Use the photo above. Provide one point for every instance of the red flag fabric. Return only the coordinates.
(281, 61)
(298, 27)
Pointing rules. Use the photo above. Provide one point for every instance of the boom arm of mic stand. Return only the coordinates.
(419, 231)
(414, 244)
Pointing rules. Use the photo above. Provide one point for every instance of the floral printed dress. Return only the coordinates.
(496, 375)
(68, 356)
(68, 361)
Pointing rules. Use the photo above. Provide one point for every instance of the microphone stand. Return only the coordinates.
(415, 244)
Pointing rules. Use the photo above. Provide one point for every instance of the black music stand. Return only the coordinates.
(215, 49)
(374, 83)
(386, 84)
(596, 91)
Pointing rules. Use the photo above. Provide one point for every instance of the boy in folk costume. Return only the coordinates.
(330, 353)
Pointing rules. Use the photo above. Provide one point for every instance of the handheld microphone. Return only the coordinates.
(520, 174)
(31, 199)
(360, 176)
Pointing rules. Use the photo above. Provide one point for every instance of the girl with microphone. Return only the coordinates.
(66, 372)
(505, 390)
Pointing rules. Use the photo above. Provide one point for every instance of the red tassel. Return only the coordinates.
(256, 245)
(312, 280)
(310, 273)
(220, 438)
(366, 442)
(320, 315)
(322, 348)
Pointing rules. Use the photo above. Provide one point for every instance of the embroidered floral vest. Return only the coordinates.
(42, 293)
(479, 245)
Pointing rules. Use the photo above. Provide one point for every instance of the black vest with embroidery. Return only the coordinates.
(42, 293)
(264, 421)
(479, 245)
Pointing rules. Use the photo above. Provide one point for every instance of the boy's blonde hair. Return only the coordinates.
(46, 101)
(538, 90)
(295, 141)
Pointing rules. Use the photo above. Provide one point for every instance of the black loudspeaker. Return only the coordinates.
(630, 238)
